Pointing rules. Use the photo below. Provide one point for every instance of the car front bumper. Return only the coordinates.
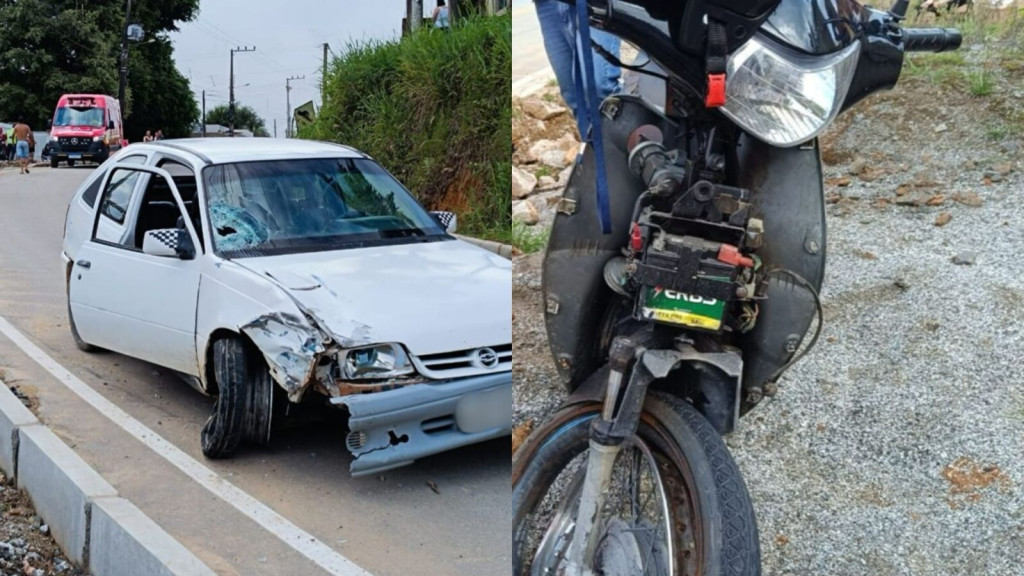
(395, 427)
(94, 152)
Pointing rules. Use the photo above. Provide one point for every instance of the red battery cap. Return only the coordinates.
(731, 255)
(636, 240)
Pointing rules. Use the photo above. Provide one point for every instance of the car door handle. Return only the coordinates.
(84, 263)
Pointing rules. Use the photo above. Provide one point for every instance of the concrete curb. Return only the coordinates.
(533, 83)
(95, 528)
(503, 250)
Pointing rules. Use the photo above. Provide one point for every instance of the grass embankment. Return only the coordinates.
(435, 109)
(989, 66)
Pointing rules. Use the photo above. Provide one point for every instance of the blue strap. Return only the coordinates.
(588, 117)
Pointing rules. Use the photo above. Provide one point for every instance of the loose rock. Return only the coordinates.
(546, 183)
(525, 213)
(858, 166)
(542, 110)
(523, 183)
(966, 258)
(943, 219)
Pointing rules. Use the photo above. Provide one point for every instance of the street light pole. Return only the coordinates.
(231, 88)
(288, 103)
(123, 81)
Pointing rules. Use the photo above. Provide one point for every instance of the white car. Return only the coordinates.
(265, 270)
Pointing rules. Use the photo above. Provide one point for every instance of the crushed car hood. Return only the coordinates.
(432, 297)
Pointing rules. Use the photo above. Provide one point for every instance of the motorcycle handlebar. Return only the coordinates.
(931, 39)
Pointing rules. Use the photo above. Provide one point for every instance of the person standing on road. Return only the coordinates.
(23, 135)
(159, 135)
(440, 15)
(3, 144)
(9, 151)
(148, 137)
(558, 29)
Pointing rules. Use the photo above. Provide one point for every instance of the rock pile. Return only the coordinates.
(545, 146)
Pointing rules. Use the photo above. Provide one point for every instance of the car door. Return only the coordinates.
(128, 301)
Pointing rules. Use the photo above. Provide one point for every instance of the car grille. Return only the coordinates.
(462, 363)
(74, 144)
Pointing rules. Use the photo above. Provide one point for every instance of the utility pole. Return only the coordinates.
(123, 81)
(323, 77)
(204, 114)
(416, 18)
(231, 90)
(288, 102)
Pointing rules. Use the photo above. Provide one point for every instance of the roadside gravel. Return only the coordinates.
(895, 447)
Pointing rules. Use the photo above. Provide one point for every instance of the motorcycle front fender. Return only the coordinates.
(787, 194)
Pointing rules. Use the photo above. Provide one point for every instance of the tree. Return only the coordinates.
(245, 118)
(54, 47)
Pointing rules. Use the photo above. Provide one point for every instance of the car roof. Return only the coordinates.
(225, 150)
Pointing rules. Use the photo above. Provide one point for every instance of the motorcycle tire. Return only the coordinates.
(724, 528)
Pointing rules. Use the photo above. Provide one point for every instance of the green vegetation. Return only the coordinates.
(988, 67)
(53, 47)
(529, 239)
(434, 109)
(979, 83)
(245, 118)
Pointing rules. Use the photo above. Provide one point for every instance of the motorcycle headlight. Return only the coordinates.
(377, 361)
(783, 97)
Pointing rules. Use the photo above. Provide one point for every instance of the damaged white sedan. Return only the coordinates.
(265, 271)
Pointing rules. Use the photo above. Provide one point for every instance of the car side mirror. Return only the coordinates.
(448, 220)
(110, 125)
(161, 242)
(169, 242)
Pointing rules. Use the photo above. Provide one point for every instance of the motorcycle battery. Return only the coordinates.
(680, 309)
(687, 264)
(683, 283)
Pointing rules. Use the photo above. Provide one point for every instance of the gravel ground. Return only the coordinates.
(26, 547)
(895, 447)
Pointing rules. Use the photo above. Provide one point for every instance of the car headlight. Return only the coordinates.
(377, 361)
(97, 138)
(783, 97)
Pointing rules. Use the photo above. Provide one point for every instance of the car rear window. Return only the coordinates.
(89, 196)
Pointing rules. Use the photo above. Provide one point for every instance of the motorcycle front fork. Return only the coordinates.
(616, 424)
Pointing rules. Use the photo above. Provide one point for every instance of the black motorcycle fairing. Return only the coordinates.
(787, 188)
(815, 26)
(575, 294)
(881, 59)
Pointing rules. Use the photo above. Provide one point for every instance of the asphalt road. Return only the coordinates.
(530, 66)
(389, 524)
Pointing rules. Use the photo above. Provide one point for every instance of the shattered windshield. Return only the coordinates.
(68, 116)
(272, 207)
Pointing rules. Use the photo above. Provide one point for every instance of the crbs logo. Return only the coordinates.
(674, 295)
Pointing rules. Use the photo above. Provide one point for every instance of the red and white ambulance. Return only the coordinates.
(85, 127)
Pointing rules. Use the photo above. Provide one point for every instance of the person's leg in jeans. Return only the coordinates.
(558, 29)
(558, 43)
(607, 75)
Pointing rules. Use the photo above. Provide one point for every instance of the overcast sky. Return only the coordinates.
(288, 36)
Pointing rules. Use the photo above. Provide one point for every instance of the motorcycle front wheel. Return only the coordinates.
(677, 504)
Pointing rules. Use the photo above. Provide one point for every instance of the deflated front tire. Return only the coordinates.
(245, 401)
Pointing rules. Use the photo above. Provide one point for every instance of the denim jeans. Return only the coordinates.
(558, 28)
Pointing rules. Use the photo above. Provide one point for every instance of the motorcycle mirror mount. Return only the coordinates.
(899, 9)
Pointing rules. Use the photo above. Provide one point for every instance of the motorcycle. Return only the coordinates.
(680, 313)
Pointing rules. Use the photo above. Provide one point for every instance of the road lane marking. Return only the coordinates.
(298, 539)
